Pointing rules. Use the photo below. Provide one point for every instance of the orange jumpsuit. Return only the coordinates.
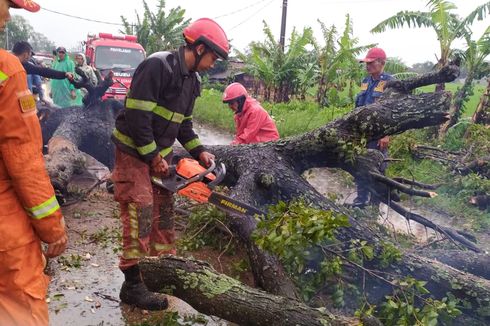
(29, 212)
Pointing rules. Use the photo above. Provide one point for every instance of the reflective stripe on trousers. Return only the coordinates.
(146, 211)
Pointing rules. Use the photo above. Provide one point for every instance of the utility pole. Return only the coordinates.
(283, 23)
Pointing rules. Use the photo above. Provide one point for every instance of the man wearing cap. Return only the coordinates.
(371, 89)
(29, 212)
(23, 51)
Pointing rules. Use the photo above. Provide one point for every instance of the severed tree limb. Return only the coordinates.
(416, 183)
(399, 186)
(63, 160)
(451, 234)
(449, 72)
(217, 294)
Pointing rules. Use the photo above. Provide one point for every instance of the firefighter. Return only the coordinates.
(29, 212)
(371, 89)
(158, 110)
(252, 123)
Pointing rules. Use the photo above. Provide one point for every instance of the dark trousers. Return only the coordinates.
(362, 186)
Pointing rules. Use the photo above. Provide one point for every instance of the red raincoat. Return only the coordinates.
(253, 124)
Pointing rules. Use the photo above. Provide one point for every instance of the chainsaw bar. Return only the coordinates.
(233, 206)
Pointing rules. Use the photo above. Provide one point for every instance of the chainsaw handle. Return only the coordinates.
(200, 176)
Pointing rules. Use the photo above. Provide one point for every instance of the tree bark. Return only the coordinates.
(482, 113)
(263, 174)
(217, 294)
(70, 131)
(476, 264)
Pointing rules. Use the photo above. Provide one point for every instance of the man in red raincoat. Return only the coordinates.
(253, 123)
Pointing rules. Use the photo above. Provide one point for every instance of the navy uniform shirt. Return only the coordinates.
(371, 89)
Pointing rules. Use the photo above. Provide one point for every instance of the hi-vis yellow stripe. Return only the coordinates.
(45, 209)
(168, 115)
(132, 103)
(149, 106)
(3, 77)
(128, 141)
(143, 150)
(190, 145)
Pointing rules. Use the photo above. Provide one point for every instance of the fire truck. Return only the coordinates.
(120, 53)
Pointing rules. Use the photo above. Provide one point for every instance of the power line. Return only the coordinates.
(251, 16)
(239, 10)
(82, 18)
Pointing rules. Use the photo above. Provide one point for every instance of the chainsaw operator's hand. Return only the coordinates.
(206, 158)
(159, 166)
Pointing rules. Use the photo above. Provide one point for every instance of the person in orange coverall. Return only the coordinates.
(29, 211)
(253, 123)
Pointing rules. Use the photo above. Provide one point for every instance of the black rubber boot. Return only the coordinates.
(134, 292)
(360, 202)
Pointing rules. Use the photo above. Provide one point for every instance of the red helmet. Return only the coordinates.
(28, 5)
(207, 31)
(234, 91)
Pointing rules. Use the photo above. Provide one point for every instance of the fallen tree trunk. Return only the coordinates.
(69, 132)
(474, 263)
(217, 294)
(263, 174)
(88, 129)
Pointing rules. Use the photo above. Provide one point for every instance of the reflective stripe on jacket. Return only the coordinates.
(371, 89)
(28, 206)
(158, 108)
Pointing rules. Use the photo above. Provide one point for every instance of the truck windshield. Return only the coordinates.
(118, 59)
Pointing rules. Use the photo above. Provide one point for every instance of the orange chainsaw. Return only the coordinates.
(189, 179)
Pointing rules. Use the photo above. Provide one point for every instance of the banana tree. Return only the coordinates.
(158, 30)
(338, 63)
(474, 59)
(440, 16)
(280, 71)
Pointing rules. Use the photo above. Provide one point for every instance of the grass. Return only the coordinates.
(291, 118)
(453, 88)
(456, 189)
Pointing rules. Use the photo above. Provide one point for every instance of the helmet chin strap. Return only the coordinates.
(198, 57)
(241, 101)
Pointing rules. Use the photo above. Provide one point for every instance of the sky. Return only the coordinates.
(242, 20)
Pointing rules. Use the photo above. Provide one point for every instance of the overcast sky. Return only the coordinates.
(242, 20)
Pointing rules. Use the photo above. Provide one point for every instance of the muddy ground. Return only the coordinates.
(86, 279)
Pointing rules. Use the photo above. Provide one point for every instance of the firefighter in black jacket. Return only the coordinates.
(158, 110)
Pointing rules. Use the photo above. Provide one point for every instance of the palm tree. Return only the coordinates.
(158, 30)
(442, 19)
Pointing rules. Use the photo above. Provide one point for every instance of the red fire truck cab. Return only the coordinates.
(119, 53)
